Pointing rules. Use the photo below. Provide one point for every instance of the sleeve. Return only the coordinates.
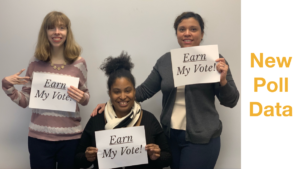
(83, 81)
(21, 98)
(161, 140)
(150, 86)
(228, 95)
(84, 143)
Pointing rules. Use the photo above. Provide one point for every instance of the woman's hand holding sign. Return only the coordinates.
(76, 94)
(16, 79)
(222, 68)
(153, 151)
(91, 153)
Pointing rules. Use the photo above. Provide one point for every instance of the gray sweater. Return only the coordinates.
(202, 118)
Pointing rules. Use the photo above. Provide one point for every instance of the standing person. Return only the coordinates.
(189, 116)
(123, 111)
(53, 135)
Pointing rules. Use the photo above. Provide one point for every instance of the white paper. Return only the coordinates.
(121, 147)
(49, 91)
(194, 65)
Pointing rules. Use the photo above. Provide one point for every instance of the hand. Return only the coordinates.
(222, 68)
(100, 108)
(153, 151)
(16, 79)
(76, 94)
(91, 153)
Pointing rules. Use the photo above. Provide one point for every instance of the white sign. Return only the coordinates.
(49, 91)
(121, 147)
(194, 65)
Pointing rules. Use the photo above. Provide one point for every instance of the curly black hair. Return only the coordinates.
(117, 67)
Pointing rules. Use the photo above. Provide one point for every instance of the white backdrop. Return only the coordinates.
(270, 142)
(102, 28)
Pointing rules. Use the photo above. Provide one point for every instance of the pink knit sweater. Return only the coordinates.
(51, 125)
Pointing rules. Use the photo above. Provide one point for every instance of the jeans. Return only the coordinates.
(187, 155)
(45, 154)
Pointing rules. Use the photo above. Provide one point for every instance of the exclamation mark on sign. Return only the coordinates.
(215, 67)
(141, 148)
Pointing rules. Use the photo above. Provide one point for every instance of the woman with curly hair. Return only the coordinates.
(123, 111)
(189, 117)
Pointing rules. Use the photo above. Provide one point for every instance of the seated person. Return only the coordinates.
(123, 111)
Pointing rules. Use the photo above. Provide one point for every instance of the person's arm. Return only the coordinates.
(161, 140)
(81, 160)
(227, 93)
(81, 94)
(150, 86)
(19, 97)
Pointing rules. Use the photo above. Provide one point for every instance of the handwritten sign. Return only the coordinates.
(121, 147)
(49, 91)
(194, 65)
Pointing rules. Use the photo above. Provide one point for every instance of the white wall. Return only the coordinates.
(142, 28)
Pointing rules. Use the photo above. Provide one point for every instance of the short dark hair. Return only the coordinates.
(118, 67)
(186, 15)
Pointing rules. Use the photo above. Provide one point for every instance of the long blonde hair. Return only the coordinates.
(43, 48)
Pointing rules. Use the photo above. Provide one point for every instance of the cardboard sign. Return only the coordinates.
(121, 147)
(49, 91)
(194, 65)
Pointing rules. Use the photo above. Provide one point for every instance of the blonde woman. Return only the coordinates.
(53, 135)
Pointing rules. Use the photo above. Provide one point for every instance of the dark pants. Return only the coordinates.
(45, 154)
(188, 155)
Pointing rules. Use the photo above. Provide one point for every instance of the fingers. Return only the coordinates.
(91, 153)
(20, 72)
(152, 148)
(153, 151)
(91, 150)
(102, 107)
(222, 66)
(76, 94)
(155, 156)
(15, 79)
(22, 80)
(94, 113)
(99, 109)
(25, 78)
(220, 60)
(91, 159)
(91, 156)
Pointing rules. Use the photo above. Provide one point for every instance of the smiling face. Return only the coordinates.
(189, 33)
(122, 94)
(57, 35)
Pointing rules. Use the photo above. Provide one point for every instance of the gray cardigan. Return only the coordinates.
(202, 118)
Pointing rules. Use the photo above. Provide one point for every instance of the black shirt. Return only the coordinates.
(153, 131)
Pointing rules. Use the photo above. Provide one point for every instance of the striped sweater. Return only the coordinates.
(51, 125)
